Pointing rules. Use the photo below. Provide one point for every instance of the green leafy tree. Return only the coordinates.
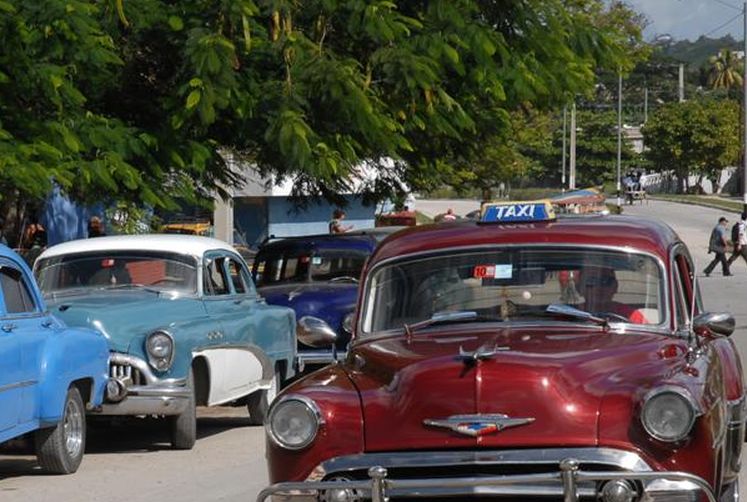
(725, 71)
(135, 100)
(697, 137)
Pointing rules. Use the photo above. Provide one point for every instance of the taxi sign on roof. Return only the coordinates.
(517, 212)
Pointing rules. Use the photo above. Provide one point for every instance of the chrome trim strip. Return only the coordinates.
(602, 456)
(665, 325)
(18, 385)
(145, 370)
(319, 357)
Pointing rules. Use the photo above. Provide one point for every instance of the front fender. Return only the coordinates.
(340, 405)
(701, 453)
(69, 355)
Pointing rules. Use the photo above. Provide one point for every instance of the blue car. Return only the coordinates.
(50, 373)
(183, 320)
(316, 276)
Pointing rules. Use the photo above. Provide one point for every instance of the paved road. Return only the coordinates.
(126, 464)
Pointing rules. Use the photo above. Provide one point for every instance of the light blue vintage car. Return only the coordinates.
(184, 322)
(49, 374)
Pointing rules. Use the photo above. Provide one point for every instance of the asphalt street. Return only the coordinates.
(127, 463)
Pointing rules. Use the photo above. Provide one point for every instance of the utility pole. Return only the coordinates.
(619, 136)
(744, 114)
(645, 105)
(562, 176)
(572, 168)
(682, 82)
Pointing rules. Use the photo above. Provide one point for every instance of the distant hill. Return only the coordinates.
(695, 54)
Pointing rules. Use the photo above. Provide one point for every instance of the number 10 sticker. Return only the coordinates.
(493, 271)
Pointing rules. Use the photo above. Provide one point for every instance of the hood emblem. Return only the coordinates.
(478, 425)
(293, 294)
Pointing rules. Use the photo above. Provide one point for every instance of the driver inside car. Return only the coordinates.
(598, 286)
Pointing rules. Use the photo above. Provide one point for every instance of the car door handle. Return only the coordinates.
(8, 327)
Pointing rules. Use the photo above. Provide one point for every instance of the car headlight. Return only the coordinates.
(668, 414)
(160, 349)
(294, 422)
(347, 323)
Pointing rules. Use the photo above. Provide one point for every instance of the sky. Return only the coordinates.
(689, 19)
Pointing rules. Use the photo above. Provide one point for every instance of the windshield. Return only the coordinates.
(515, 284)
(298, 267)
(161, 271)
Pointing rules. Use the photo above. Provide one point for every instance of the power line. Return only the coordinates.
(727, 23)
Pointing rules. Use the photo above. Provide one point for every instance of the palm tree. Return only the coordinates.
(725, 71)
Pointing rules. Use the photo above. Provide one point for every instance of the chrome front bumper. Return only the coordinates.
(567, 481)
(140, 392)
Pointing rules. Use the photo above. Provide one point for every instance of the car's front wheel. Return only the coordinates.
(184, 426)
(259, 402)
(59, 449)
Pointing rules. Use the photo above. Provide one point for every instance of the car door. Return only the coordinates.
(20, 342)
(230, 300)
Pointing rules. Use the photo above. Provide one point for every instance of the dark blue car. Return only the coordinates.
(317, 276)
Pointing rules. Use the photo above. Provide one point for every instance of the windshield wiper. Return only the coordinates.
(447, 317)
(132, 285)
(568, 311)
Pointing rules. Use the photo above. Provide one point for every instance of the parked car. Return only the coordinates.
(50, 373)
(521, 357)
(317, 276)
(184, 323)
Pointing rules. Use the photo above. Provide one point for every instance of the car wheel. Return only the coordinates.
(184, 426)
(59, 449)
(259, 402)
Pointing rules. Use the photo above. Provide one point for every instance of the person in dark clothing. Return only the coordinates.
(717, 245)
(96, 227)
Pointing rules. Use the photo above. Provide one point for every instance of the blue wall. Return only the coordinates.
(66, 220)
(285, 220)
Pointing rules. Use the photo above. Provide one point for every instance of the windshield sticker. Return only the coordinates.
(316, 260)
(496, 271)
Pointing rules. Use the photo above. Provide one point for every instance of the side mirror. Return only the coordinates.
(720, 323)
(314, 332)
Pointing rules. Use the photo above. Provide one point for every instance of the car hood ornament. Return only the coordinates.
(479, 424)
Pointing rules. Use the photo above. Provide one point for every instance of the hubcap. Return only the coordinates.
(72, 429)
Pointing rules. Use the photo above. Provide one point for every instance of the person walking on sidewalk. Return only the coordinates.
(739, 240)
(717, 245)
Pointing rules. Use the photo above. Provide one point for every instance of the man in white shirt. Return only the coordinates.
(740, 246)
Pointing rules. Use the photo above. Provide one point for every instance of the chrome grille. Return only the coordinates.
(126, 372)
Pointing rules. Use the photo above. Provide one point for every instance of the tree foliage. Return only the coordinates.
(135, 99)
(694, 137)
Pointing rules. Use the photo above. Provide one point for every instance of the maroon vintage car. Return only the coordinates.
(521, 357)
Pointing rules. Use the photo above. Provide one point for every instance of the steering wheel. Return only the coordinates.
(344, 278)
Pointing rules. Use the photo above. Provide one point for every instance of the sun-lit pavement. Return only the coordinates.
(126, 464)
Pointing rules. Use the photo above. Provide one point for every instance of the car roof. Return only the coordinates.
(353, 241)
(193, 245)
(643, 235)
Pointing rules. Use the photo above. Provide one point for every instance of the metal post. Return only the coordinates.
(572, 167)
(562, 176)
(744, 114)
(645, 105)
(682, 83)
(619, 137)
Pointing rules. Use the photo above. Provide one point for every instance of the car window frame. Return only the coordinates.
(227, 256)
(663, 327)
(38, 307)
